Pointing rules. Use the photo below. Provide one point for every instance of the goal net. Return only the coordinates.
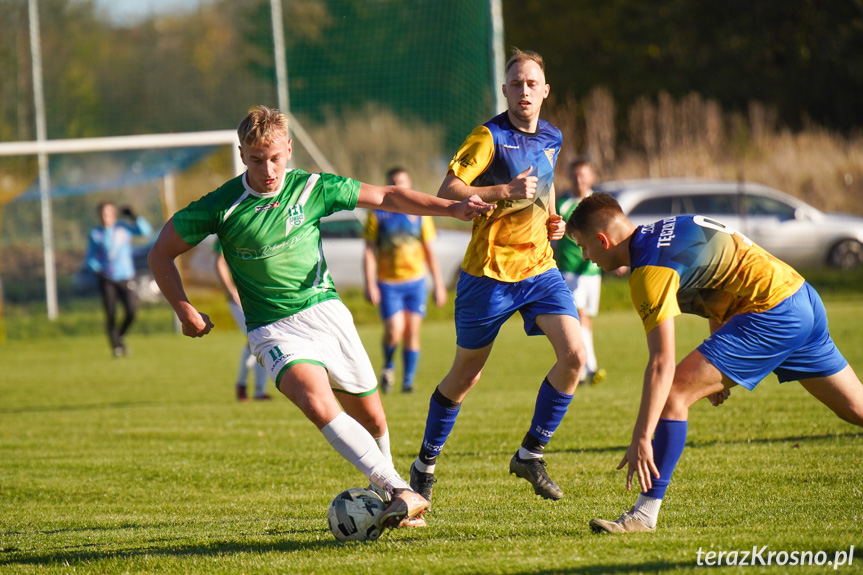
(373, 84)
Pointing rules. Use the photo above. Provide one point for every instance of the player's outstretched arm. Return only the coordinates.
(658, 377)
(523, 186)
(167, 247)
(395, 199)
(370, 271)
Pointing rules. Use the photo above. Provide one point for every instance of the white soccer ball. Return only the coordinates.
(353, 515)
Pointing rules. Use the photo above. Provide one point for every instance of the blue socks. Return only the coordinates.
(411, 358)
(551, 406)
(389, 352)
(669, 439)
(441, 419)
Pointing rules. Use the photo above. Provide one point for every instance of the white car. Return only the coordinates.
(344, 250)
(788, 228)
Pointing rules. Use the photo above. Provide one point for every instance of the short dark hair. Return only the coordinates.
(592, 212)
(391, 174)
(579, 162)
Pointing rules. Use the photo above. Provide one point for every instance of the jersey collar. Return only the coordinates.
(259, 195)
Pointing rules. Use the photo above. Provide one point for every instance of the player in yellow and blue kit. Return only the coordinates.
(398, 254)
(509, 266)
(764, 317)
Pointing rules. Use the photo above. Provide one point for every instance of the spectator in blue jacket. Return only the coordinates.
(109, 256)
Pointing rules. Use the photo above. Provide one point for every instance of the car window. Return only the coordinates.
(763, 206)
(720, 204)
(341, 228)
(653, 206)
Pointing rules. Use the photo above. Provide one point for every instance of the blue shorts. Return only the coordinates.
(411, 296)
(790, 340)
(483, 304)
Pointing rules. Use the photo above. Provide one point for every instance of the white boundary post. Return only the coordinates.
(44, 175)
(498, 55)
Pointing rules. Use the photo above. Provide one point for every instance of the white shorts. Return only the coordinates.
(323, 334)
(585, 291)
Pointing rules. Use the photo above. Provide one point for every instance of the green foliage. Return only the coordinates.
(783, 54)
(147, 464)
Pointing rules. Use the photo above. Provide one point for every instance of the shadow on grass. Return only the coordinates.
(689, 445)
(70, 558)
(160, 547)
(712, 442)
(649, 567)
(81, 407)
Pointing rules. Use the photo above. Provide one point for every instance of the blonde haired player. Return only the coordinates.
(267, 222)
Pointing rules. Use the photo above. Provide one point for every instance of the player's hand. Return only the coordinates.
(718, 398)
(556, 227)
(468, 209)
(196, 324)
(373, 294)
(523, 186)
(440, 295)
(639, 456)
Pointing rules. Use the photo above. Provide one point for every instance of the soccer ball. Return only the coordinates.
(353, 515)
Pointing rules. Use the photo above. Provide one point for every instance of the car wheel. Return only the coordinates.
(846, 255)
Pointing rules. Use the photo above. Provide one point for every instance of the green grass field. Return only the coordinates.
(148, 465)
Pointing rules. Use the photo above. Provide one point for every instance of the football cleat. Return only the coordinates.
(406, 505)
(388, 377)
(629, 522)
(422, 483)
(380, 492)
(598, 377)
(241, 392)
(533, 470)
(414, 523)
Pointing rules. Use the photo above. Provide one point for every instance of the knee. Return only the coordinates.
(574, 359)
(677, 405)
(460, 381)
(376, 427)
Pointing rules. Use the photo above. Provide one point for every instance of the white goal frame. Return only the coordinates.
(45, 148)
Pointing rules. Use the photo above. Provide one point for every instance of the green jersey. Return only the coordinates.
(568, 254)
(272, 242)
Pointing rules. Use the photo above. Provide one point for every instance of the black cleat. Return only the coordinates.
(421, 482)
(533, 470)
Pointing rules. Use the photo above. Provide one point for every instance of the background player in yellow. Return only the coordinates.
(764, 317)
(508, 267)
(398, 255)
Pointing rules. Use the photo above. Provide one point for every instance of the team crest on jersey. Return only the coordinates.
(549, 153)
(295, 215)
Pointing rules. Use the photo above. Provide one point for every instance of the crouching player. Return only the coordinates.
(763, 317)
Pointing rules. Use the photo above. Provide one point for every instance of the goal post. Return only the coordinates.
(47, 148)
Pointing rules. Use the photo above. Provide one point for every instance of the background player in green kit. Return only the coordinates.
(583, 278)
(764, 317)
(267, 223)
